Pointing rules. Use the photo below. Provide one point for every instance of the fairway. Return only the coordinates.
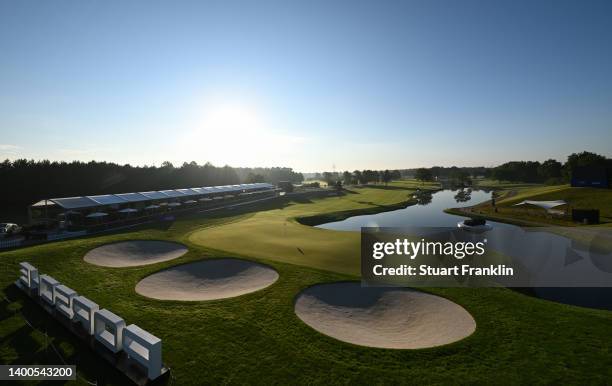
(278, 235)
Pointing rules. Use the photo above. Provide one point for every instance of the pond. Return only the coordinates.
(428, 213)
(510, 239)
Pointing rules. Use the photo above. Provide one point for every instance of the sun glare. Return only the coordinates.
(233, 133)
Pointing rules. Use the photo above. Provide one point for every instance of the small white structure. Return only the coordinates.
(145, 348)
(46, 288)
(84, 310)
(29, 275)
(547, 205)
(108, 329)
(64, 297)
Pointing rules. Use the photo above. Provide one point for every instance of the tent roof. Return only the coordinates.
(132, 197)
(107, 199)
(189, 192)
(154, 195)
(172, 193)
(69, 203)
(543, 204)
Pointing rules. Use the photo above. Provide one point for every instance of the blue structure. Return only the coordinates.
(591, 176)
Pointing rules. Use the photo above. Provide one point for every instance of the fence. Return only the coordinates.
(12, 243)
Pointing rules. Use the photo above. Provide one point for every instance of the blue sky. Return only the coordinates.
(305, 84)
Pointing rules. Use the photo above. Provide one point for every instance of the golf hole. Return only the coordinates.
(396, 318)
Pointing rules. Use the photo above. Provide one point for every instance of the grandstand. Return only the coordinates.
(86, 212)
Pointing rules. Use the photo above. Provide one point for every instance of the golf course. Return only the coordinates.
(256, 337)
(511, 194)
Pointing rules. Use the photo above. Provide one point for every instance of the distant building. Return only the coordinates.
(591, 176)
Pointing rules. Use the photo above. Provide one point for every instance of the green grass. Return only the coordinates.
(577, 198)
(496, 184)
(278, 235)
(414, 184)
(257, 338)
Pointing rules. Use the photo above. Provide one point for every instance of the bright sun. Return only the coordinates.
(235, 134)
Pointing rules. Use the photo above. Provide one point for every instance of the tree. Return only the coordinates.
(517, 171)
(550, 169)
(347, 177)
(436, 171)
(358, 177)
(329, 178)
(253, 178)
(368, 176)
(386, 177)
(460, 176)
(338, 185)
(423, 174)
(584, 159)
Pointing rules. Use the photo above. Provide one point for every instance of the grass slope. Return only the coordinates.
(257, 339)
(577, 198)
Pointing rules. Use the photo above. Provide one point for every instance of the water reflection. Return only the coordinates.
(463, 195)
(423, 197)
(430, 213)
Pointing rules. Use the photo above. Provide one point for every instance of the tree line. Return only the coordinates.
(550, 171)
(27, 181)
(359, 177)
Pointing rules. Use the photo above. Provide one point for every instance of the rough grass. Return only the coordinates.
(577, 198)
(257, 339)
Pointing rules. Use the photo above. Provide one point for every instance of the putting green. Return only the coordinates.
(276, 235)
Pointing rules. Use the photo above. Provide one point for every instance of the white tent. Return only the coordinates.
(152, 207)
(548, 205)
(173, 204)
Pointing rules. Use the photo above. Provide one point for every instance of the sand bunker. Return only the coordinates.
(134, 253)
(207, 280)
(396, 318)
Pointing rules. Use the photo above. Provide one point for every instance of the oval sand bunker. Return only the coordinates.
(207, 280)
(398, 318)
(135, 253)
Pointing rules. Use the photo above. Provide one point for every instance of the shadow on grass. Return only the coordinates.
(302, 200)
(349, 191)
(371, 203)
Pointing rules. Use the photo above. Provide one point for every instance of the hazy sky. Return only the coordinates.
(306, 84)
